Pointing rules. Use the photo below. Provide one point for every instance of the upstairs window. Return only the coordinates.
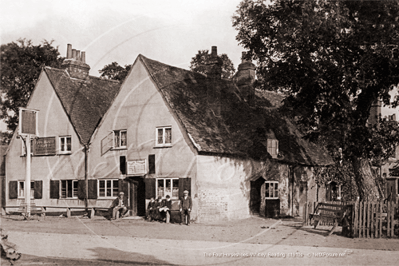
(272, 147)
(65, 144)
(120, 139)
(164, 136)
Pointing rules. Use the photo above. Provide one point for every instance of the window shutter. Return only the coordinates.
(122, 164)
(54, 189)
(13, 189)
(123, 186)
(149, 187)
(92, 189)
(151, 164)
(38, 185)
(184, 184)
(81, 189)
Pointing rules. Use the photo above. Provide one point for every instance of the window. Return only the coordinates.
(151, 164)
(272, 147)
(271, 190)
(119, 139)
(69, 189)
(108, 188)
(21, 189)
(164, 136)
(65, 144)
(167, 186)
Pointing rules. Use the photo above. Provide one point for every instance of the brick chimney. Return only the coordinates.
(214, 74)
(75, 63)
(214, 69)
(244, 79)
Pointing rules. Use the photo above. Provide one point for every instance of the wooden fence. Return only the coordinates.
(367, 219)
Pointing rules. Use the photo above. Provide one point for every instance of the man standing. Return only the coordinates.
(118, 205)
(185, 208)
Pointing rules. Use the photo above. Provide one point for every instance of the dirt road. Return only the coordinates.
(253, 241)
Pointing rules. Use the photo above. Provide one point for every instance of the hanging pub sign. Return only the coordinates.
(137, 167)
(44, 146)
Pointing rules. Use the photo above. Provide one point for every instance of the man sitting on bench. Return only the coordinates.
(118, 205)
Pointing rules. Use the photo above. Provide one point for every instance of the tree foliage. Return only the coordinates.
(114, 71)
(334, 59)
(21, 63)
(199, 64)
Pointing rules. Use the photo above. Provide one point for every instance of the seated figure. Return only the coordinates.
(165, 209)
(119, 205)
(150, 216)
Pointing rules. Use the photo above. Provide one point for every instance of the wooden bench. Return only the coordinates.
(330, 213)
(69, 209)
(22, 209)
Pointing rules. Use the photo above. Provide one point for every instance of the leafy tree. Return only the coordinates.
(114, 71)
(21, 63)
(199, 64)
(334, 59)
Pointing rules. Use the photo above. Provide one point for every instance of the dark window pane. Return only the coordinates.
(123, 138)
(69, 144)
(109, 188)
(160, 136)
(69, 187)
(102, 188)
(63, 189)
(115, 188)
(168, 135)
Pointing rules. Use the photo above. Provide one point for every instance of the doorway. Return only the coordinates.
(137, 195)
(255, 196)
(272, 209)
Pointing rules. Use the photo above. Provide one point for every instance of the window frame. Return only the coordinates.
(119, 133)
(171, 187)
(163, 144)
(105, 188)
(273, 188)
(273, 150)
(32, 190)
(66, 189)
(66, 137)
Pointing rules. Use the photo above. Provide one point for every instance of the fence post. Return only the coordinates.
(355, 219)
(380, 219)
(393, 205)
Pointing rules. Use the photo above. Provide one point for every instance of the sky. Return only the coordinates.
(109, 31)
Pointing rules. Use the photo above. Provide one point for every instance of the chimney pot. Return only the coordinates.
(73, 53)
(69, 51)
(83, 57)
(214, 52)
(77, 55)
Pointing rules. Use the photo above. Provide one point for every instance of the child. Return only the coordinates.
(151, 210)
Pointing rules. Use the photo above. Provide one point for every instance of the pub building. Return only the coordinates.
(163, 130)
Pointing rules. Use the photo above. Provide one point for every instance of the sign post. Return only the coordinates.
(28, 128)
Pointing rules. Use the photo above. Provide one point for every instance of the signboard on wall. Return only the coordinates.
(137, 167)
(44, 146)
(27, 122)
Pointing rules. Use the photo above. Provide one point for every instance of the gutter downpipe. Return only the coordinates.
(86, 151)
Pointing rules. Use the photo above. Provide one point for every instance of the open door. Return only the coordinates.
(255, 196)
(137, 196)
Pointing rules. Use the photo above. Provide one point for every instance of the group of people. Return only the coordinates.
(159, 210)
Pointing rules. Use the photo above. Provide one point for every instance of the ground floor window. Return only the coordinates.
(21, 189)
(167, 186)
(271, 189)
(108, 188)
(69, 189)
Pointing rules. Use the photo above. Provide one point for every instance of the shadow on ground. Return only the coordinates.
(105, 256)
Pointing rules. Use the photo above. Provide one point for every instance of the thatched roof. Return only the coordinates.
(84, 101)
(239, 130)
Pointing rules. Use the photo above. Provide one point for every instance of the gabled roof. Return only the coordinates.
(240, 130)
(84, 101)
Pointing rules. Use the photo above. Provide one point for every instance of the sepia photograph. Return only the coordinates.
(208, 132)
